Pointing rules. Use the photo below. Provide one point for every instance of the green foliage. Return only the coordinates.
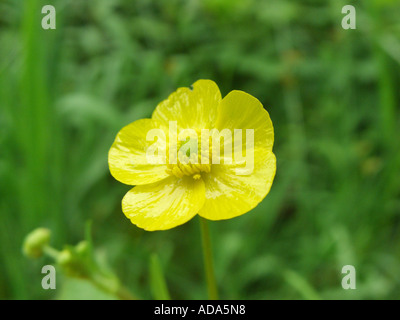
(157, 281)
(76, 289)
(332, 95)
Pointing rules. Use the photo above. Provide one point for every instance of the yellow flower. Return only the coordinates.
(200, 179)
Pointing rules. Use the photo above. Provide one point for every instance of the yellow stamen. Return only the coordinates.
(191, 164)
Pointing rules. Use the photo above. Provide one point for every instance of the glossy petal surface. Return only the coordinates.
(127, 157)
(229, 195)
(192, 108)
(164, 204)
(240, 110)
(234, 189)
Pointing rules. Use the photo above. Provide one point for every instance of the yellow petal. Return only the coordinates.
(127, 157)
(192, 109)
(164, 204)
(229, 195)
(240, 110)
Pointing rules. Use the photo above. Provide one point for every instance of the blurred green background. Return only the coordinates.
(333, 96)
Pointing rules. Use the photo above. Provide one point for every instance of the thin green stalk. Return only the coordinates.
(157, 279)
(112, 286)
(51, 252)
(208, 261)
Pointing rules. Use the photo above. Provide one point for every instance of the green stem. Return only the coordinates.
(111, 285)
(51, 252)
(208, 261)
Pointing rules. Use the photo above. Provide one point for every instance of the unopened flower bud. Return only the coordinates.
(35, 242)
(82, 248)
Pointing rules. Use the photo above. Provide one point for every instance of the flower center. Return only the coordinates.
(191, 160)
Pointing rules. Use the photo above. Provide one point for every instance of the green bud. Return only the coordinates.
(35, 242)
(82, 248)
(73, 263)
(65, 257)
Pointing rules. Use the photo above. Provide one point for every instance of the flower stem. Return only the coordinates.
(51, 252)
(208, 261)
